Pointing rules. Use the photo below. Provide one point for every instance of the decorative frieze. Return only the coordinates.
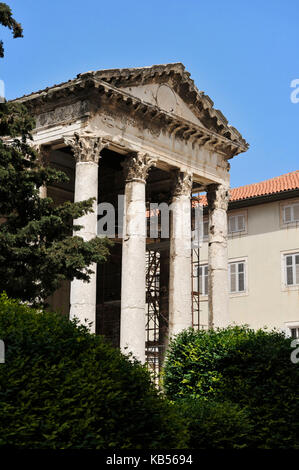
(137, 166)
(66, 113)
(86, 148)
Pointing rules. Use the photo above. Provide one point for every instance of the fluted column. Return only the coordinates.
(86, 151)
(180, 307)
(132, 323)
(218, 196)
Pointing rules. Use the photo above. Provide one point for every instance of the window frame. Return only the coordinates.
(242, 213)
(294, 274)
(206, 267)
(284, 286)
(237, 261)
(205, 220)
(290, 203)
(292, 325)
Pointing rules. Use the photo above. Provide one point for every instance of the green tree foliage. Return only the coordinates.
(215, 425)
(62, 387)
(7, 20)
(251, 369)
(37, 249)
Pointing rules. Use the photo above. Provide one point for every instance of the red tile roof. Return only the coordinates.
(279, 184)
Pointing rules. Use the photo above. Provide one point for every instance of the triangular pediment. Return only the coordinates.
(163, 96)
(170, 83)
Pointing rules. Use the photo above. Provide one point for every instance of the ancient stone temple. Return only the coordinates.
(150, 135)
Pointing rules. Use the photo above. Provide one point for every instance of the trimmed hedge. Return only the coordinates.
(215, 425)
(250, 368)
(62, 387)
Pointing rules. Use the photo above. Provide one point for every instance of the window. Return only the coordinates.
(294, 332)
(237, 277)
(203, 279)
(205, 229)
(236, 223)
(291, 263)
(291, 213)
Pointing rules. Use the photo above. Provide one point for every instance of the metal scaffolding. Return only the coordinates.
(195, 263)
(155, 320)
(153, 348)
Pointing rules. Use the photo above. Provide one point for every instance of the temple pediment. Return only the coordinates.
(170, 86)
(165, 97)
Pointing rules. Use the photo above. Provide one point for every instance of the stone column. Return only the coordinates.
(218, 195)
(132, 321)
(86, 151)
(44, 152)
(180, 307)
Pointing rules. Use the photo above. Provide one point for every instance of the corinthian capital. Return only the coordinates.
(218, 196)
(137, 166)
(182, 183)
(44, 152)
(86, 148)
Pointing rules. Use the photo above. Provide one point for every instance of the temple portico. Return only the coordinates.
(149, 135)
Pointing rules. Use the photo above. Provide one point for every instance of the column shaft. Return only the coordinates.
(218, 257)
(132, 324)
(86, 152)
(180, 307)
(83, 294)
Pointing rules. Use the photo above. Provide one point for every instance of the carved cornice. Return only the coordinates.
(137, 165)
(85, 148)
(217, 196)
(157, 119)
(182, 183)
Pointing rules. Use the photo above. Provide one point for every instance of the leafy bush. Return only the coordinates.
(249, 368)
(213, 425)
(62, 387)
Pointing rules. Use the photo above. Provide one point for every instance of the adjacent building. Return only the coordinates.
(263, 255)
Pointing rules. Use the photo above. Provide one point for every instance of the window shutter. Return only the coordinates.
(233, 283)
(206, 280)
(289, 270)
(236, 223)
(241, 223)
(287, 214)
(232, 224)
(206, 228)
(241, 277)
(296, 212)
(297, 269)
(200, 279)
(203, 279)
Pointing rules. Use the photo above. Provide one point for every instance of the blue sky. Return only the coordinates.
(243, 54)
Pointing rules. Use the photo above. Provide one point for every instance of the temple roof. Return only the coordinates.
(114, 81)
